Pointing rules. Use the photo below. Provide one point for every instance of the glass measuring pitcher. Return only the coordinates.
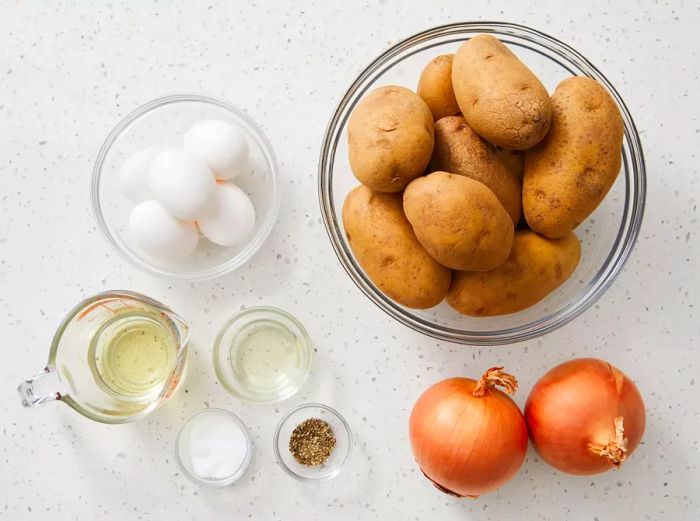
(114, 358)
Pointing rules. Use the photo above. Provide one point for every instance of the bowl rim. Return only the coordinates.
(255, 242)
(282, 316)
(278, 431)
(219, 482)
(635, 192)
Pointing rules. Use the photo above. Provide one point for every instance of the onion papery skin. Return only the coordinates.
(465, 444)
(572, 409)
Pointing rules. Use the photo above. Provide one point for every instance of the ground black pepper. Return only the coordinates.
(312, 442)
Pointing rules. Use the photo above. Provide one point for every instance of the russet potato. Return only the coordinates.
(459, 150)
(459, 221)
(390, 138)
(570, 172)
(501, 99)
(386, 247)
(435, 87)
(535, 267)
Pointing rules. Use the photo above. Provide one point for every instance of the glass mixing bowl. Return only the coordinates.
(164, 121)
(607, 236)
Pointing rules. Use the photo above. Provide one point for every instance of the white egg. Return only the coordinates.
(133, 174)
(233, 218)
(183, 184)
(160, 234)
(222, 145)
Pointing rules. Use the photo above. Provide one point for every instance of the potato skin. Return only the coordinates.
(390, 138)
(460, 150)
(435, 87)
(387, 249)
(459, 221)
(536, 267)
(514, 161)
(569, 173)
(501, 99)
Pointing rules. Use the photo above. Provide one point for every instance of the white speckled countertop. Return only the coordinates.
(70, 70)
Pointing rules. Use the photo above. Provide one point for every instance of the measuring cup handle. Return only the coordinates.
(29, 392)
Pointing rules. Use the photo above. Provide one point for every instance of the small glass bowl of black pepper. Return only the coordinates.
(312, 442)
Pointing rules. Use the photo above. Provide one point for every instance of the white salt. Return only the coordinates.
(218, 446)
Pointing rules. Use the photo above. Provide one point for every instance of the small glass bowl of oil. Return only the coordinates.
(263, 355)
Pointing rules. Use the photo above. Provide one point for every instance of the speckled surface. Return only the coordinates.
(70, 70)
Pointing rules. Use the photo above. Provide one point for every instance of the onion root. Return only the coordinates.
(495, 377)
(615, 450)
(446, 490)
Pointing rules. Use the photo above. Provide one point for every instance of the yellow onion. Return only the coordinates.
(468, 437)
(585, 416)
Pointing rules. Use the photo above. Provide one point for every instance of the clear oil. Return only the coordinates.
(263, 355)
(133, 355)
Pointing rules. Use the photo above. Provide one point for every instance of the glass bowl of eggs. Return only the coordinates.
(186, 187)
(606, 236)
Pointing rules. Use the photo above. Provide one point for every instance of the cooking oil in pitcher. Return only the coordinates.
(114, 358)
(133, 355)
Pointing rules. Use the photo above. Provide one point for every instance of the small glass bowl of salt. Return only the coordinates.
(213, 447)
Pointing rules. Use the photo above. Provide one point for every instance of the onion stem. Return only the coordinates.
(495, 377)
(615, 450)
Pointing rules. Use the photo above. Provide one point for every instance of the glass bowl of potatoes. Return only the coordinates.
(430, 234)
